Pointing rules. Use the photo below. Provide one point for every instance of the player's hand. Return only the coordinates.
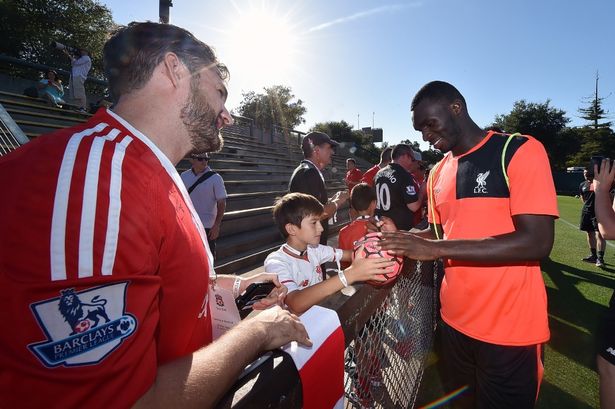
(341, 197)
(364, 269)
(381, 223)
(278, 327)
(276, 296)
(408, 245)
(214, 232)
(604, 176)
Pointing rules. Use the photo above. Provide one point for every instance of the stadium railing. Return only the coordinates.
(388, 334)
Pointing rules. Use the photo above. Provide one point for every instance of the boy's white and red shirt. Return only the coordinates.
(104, 270)
(298, 270)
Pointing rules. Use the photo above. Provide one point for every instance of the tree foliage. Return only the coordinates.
(593, 112)
(359, 143)
(29, 26)
(340, 131)
(276, 106)
(544, 122)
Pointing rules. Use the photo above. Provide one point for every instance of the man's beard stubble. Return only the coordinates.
(200, 122)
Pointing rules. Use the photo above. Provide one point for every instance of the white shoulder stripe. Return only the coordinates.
(115, 206)
(60, 204)
(88, 212)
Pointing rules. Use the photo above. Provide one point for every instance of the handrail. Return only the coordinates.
(42, 67)
(11, 135)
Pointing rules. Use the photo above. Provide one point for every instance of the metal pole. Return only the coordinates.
(358, 126)
(163, 10)
(373, 116)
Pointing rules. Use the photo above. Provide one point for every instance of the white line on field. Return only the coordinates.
(577, 228)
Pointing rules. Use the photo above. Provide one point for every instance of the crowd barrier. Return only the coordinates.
(388, 335)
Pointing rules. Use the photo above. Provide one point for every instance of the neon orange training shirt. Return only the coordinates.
(500, 303)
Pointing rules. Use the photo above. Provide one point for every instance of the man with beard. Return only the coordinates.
(105, 268)
(492, 207)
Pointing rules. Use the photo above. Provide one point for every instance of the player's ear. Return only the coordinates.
(457, 106)
(291, 229)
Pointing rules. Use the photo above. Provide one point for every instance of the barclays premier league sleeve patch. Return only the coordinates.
(83, 327)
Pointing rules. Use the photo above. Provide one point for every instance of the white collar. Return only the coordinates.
(317, 168)
(294, 251)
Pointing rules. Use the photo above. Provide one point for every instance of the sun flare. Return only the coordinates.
(265, 43)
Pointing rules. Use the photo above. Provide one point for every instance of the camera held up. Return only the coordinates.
(59, 46)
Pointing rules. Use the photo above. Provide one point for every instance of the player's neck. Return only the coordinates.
(296, 244)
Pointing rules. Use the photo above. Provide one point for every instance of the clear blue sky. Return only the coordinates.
(349, 57)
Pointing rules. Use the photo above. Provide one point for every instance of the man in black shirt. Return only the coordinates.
(588, 221)
(398, 195)
(307, 178)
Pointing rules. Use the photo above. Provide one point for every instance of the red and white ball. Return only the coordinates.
(369, 241)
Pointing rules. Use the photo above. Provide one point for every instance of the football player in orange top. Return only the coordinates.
(492, 206)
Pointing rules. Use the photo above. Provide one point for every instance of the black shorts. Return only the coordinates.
(496, 376)
(588, 222)
(606, 333)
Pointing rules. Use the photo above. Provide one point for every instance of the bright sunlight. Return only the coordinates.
(264, 42)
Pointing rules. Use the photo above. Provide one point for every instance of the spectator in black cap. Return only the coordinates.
(307, 178)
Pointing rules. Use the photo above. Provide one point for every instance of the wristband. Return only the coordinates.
(236, 286)
(342, 277)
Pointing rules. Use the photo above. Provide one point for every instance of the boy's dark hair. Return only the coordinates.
(385, 155)
(361, 196)
(402, 149)
(293, 208)
(437, 91)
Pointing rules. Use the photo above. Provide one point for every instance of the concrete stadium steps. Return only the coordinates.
(9, 99)
(240, 201)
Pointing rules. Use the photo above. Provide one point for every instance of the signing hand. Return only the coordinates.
(409, 245)
(381, 223)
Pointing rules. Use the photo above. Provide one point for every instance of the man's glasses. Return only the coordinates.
(202, 159)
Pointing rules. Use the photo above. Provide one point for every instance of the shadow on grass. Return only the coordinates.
(567, 305)
(553, 397)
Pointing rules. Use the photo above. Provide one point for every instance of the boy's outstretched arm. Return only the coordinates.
(361, 269)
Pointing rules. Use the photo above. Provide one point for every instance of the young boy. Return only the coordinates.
(363, 202)
(297, 262)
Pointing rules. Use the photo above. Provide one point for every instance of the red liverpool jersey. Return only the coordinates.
(103, 269)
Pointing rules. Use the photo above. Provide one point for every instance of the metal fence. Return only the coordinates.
(384, 363)
(388, 332)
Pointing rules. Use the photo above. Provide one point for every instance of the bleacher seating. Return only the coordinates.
(255, 173)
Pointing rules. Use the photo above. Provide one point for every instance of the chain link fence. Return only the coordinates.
(384, 364)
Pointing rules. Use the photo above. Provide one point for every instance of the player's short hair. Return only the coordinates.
(402, 149)
(385, 155)
(133, 52)
(437, 91)
(293, 208)
(361, 196)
